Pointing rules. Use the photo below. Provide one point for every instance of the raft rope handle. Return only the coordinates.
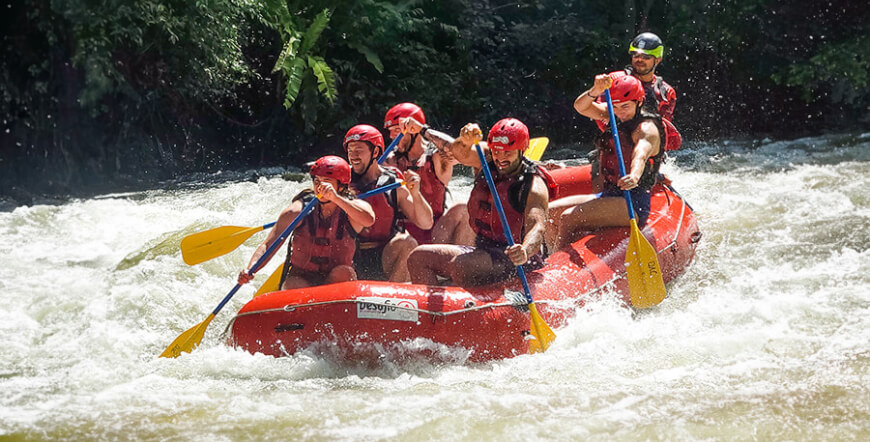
(292, 307)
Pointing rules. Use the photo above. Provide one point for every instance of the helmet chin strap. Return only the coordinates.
(514, 166)
(412, 138)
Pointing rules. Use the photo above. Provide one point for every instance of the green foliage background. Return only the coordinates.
(102, 95)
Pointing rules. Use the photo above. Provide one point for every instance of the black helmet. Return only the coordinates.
(647, 43)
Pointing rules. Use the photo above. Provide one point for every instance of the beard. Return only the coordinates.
(638, 70)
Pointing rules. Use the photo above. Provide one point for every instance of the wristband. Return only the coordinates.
(424, 130)
(594, 97)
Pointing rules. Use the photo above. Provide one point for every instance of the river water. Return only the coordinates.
(766, 336)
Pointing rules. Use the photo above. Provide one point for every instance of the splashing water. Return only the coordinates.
(766, 336)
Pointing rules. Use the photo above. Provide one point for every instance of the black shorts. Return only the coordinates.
(369, 264)
(502, 266)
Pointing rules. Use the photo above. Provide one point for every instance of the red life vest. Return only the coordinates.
(322, 244)
(665, 98)
(431, 187)
(385, 206)
(513, 191)
(664, 95)
(609, 162)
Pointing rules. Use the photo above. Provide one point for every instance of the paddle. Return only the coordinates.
(646, 287)
(390, 148)
(273, 283)
(536, 148)
(542, 332)
(190, 339)
(203, 246)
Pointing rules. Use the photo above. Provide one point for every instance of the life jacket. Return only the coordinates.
(513, 191)
(431, 187)
(385, 206)
(660, 92)
(609, 162)
(322, 244)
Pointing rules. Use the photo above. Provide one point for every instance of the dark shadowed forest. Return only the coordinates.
(109, 95)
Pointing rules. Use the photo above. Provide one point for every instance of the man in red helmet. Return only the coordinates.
(417, 153)
(523, 194)
(383, 250)
(323, 245)
(641, 136)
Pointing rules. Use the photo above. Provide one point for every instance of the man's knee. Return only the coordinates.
(417, 258)
(401, 244)
(460, 213)
(342, 273)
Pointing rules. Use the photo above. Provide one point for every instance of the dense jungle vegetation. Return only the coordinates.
(114, 94)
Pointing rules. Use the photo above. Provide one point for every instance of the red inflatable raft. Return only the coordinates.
(363, 320)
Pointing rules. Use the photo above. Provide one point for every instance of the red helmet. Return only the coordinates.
(331, 166)
(508, 134)
(403, 110)
(625, 88)
(364, 132)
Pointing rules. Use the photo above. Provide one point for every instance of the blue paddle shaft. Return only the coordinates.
(504, 222)
(615, 133)
(379, 190)
(390, 148)
(268, 254)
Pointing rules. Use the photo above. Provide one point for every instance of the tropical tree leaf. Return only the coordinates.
(370, 56)
(314, 31)
(287, 55)
(277, 16)
(294, 81)
(325, 77)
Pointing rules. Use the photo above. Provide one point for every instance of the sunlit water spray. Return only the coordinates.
(766, 336)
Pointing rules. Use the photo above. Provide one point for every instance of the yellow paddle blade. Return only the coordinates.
(187, 341)
(536, 149)
(271, 284)
(542, 332)
(646, 286)
(203, 246)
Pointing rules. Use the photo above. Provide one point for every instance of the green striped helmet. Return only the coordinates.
(647, 43)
